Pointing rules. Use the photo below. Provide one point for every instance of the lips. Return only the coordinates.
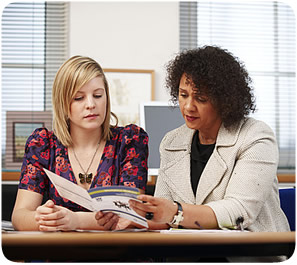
(191, 118)
(91, 116)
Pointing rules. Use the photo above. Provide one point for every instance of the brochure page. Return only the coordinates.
(106, 199)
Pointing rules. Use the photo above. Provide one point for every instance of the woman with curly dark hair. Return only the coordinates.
(219, 169)
(219, 76)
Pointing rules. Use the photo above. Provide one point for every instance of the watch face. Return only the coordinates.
(178, 217)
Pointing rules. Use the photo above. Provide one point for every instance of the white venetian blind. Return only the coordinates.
(263, 35)
(34, 45)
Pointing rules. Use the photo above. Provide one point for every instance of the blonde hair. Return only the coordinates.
(72, 75)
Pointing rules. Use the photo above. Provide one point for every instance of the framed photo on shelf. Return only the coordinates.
(19, 126)
(128, 88)
(21, 131)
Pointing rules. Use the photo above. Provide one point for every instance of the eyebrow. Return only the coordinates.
(96, 90)
(100, 88)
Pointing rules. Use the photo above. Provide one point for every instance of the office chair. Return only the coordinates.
(287, 202)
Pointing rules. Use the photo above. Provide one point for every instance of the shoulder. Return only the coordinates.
(40, 136)
(255, 136)
(129, 134)
(38, 147)
(180, 137)
(128, 130)
(247, 131)
(254, 123)
(41, 141)
(252, 128)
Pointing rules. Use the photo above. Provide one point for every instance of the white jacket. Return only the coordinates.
(238, 180)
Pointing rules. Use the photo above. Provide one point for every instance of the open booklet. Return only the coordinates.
(106, 199)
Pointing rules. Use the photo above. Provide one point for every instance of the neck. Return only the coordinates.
(209, 136)
(208, 140)
(85, 138)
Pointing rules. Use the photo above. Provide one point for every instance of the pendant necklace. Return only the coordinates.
(85, 177)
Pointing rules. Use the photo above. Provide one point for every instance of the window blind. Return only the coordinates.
(34, 45)
(263, 35)
(187, 25)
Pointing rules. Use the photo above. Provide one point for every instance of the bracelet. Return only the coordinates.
(178, 217)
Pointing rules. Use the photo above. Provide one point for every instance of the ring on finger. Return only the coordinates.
(149, 215)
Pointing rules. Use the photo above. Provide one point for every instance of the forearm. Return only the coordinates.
(157, 226)
(199, 216)
(87, 221)
(24, 220)
(195, 216)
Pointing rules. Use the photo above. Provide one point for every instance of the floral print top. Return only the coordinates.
(123, 162)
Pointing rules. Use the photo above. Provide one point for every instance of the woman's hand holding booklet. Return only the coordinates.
(105, 199)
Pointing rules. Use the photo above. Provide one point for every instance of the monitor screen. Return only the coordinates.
(158, 118)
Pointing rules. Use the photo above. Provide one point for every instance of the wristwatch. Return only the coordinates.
(178, 217)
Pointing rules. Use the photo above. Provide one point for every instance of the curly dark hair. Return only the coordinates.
(217, 74)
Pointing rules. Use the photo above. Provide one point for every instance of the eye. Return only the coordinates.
(97, 95)
(78, 98)
(201, 99)
(182, 94)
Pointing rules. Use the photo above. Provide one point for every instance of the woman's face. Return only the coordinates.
(88, 108)
(198, 111)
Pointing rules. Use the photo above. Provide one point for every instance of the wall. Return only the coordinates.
(133, 35)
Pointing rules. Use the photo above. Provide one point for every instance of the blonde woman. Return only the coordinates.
(83, 148)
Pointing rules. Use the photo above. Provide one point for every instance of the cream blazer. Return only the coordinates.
(239, 179)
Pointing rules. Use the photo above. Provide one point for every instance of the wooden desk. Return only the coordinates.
(104, 246)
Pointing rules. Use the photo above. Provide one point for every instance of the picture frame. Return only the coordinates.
(128, 88)
(19, 126)
(21, 131)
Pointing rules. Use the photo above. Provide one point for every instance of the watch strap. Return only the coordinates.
(178, 217)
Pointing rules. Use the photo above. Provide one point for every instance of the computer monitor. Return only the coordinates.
(158, 118)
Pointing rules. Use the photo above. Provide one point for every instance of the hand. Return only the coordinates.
(111, 221)
(51, 217)
(163, 209)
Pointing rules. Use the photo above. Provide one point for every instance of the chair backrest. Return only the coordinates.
(287, 201)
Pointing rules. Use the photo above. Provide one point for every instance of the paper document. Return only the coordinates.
(198, 231)
(106, 199)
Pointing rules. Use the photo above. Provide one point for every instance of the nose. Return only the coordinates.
(189, 104)
(90, 103)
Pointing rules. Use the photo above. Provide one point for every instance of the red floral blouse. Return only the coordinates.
(123, 162)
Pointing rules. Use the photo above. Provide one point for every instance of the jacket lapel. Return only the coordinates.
(177, 171)
(211, 176)
(216, 166)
